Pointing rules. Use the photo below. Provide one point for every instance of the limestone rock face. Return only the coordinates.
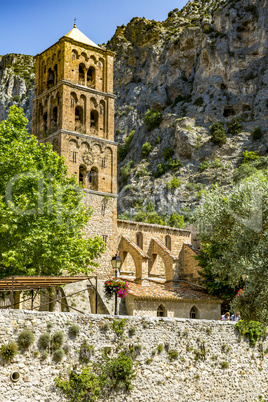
(206, 63)
(16, 84)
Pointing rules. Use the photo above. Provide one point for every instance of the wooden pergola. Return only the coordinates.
(35, 284)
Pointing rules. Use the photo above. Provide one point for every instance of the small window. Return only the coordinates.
(161, 311)
(105, 238)
(168, 242)
(139, 240)
(193, 313)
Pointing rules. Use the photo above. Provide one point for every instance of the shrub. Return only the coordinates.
(44, 355)
(249, 156)
(157, 141)
(119, 371)
(160, 348)
(152, 119)
(49, 326)
(199, 101)
(173, 354)
(254, 330)
(175, 164)
(124, 148)
(118, 326)
(9, 350)
(168, 153)
(85, 352)
(176, 220)
(234, 127)
(125, 171)
(218, 135)
(25, 339)
(146, 149)
(83, 386)
(58, 355)
(256, 133)
(142, 172)
(132, 331)
(74, 330)
(128, 187)
(57, 339)
(208, 29)
(174, 183)
(205, 165)
(224, 365)
(160, 170)
(44, 341)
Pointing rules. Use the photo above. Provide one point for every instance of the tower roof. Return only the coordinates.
(78, 36)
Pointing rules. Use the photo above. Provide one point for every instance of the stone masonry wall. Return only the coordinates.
(158, 379)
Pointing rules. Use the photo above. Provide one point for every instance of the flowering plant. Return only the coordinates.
(241, 293)
(118, 286)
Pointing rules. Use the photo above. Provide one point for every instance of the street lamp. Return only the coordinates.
(116, 264)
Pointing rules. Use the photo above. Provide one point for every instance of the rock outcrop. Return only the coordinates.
(206, 63)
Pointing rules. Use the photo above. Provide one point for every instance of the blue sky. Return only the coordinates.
(30, 26)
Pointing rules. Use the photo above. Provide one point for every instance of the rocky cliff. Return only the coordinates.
(16, 84)
(204, 64)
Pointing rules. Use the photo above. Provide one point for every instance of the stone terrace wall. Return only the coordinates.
(158, 379)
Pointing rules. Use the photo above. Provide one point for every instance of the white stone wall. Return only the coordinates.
(158, 379)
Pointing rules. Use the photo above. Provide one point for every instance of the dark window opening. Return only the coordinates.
(94, 119)
(50, 79)
(161, 311)
(78, 118)
(81, 74)
(91, 77)
(81, 176)
(229, 111)
(72, 102)
(168, 242)
(45, 123)
(93, 179)
(103, 162)
(139, 240)
(105, 238)
(193, 313)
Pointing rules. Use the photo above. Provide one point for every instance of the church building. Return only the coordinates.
(73, 109)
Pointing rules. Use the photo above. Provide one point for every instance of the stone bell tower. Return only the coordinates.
(73, 109)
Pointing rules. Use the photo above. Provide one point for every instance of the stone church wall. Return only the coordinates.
(190, 377)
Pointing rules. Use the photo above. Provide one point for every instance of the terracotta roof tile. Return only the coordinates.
(182, 291)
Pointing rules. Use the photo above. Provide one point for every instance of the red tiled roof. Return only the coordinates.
(183, 291)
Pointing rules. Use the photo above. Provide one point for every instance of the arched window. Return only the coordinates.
(168, 242)
(54, 118)
(50, 78)
(139, 240)
(78, 118)
(82, 172)
(45, 123)
(93, 179)
(161, 311)
(82, 74)
(94, 119)
(193, 312)
(91, 77)
(56, 73)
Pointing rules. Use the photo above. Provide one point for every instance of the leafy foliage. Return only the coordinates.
(173, 183)
(218, 136)
(233, 229)
(174, 164)
(249, 156)
(160, 170)
(125, 147)
(43, 217)
(44, 341)
(234, 127)
(25, 339)
(168, 153)
(125, 171)
(146, 149)
(74, 330)
(9, 350)
(152, 119)
(57, 339)
(85, 352)
(118, 326)
(58, 355)
(117, 372)
(254, 330)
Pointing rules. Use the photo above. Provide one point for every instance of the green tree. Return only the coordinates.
(152, 119)
(235, 224)
(42, 216)
(218, 135)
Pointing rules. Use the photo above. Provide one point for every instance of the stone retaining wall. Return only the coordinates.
(186, 379)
